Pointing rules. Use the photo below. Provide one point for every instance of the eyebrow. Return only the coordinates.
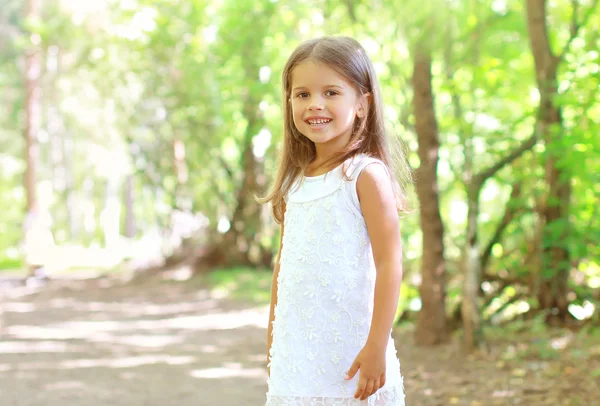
(304, 87)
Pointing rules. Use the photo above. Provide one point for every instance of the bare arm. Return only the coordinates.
(274, 296)
(381, 217)
(378, 207)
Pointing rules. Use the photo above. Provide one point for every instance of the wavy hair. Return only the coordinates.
(349, 59)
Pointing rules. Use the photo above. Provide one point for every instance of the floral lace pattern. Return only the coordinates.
(325, 297)
(393, 396)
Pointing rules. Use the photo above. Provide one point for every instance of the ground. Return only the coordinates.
(97, 343)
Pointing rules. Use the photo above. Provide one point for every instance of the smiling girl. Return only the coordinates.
(339, 268)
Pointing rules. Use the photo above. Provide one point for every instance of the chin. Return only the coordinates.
(318, 140)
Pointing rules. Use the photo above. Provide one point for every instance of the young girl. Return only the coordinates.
(338, 272)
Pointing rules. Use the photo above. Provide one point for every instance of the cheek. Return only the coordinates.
(295, 121)
(296, 113)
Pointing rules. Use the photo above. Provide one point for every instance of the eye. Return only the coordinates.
(331, 93)
(302, 95)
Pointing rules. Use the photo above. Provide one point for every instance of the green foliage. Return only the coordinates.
(10, 264)
(123, 83)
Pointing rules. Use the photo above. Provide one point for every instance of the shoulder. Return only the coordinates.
(378, 204)
(374, 181)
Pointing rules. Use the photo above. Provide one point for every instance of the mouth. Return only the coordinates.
(318, 122)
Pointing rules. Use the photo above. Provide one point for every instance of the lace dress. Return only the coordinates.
(325, 297)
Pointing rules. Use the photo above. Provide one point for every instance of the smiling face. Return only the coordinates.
(324, 104)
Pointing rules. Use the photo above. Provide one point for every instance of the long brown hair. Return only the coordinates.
(348, 58)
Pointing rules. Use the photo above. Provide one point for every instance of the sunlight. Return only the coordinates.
(491, 191)
(560, 343)
(223, 225)
(500, 6)
(92, 330)
(142, 309)
(264, 74)
(487, 122)
(261, 143)
(120, 362)
(19, 347)
(371, 46)
(256, 357)
(182, 273)
(127, 362)
(458, 211)
(582, 312)
(232, 370)
(304, 27)
(534, 95)
(210, 33)
(62, 385)
(10, 165)
(503, 394)
(318, 18)
(209, 349)
(144, 341)
(19, 307)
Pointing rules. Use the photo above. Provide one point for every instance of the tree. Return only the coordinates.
(554, 275)
(32, 114)
(431, 324)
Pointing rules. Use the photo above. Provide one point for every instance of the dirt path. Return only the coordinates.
(160, 344)
(89, 344)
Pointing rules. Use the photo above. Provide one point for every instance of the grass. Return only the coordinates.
(10, 264)
(244, 284)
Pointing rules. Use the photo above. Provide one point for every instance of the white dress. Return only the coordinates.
(325, 297)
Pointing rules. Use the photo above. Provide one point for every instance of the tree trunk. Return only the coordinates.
(129, 213)
(179, 164)
(240, 246)
(471, 309)
(73, 213)
(60, 152)
(473, 258)
(32, 74)
(552, 294)
(510, 212)
(111, 213)
(432, 324)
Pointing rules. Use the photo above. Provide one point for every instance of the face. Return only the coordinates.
(324, 104)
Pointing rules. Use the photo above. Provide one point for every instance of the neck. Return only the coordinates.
(323, 154)
(326, 150)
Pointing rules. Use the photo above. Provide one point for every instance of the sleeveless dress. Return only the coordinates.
(325, 296)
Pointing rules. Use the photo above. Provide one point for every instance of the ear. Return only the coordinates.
(363, 106)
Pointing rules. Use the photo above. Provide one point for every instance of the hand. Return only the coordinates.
(371, 362)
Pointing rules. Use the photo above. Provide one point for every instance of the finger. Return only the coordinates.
(353, 370)
(362, 384)
(376, 386)
(368, 390)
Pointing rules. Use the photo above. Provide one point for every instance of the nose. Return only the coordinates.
(315, 104)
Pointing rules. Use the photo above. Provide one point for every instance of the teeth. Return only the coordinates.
(319, 121)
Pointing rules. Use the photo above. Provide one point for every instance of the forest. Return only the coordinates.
(136, 134)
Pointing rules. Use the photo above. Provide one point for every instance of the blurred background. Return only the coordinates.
(134, 135)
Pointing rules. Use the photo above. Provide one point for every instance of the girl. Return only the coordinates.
(338, 272)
